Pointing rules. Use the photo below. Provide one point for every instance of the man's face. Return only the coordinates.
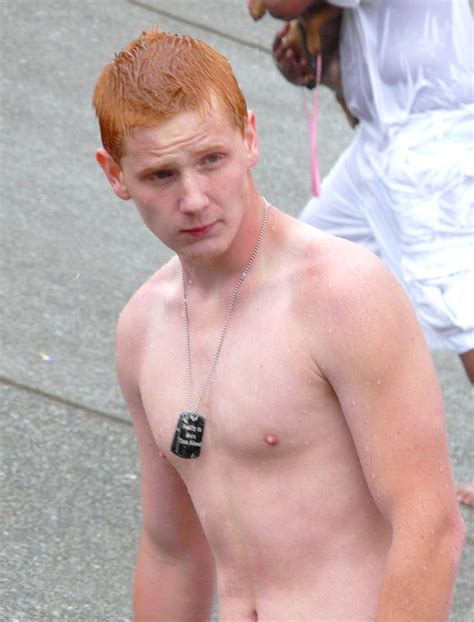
(189, 179)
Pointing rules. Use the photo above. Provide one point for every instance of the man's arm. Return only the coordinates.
(286, 10)
(382, 373)
(294, 53)
(291, 9)
(175, 573)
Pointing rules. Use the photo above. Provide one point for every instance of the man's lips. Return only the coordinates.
(199, 231)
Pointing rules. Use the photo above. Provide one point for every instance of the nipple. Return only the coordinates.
(162, 455)
(271, 439)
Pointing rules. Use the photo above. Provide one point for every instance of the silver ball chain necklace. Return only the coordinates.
(188, 437)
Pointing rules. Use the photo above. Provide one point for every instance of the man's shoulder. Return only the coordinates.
(349, 266)
(340, 280)
(334, 265)
(146, 302)
(353, 303)
(137, 318)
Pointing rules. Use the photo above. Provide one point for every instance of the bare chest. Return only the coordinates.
(266, 393)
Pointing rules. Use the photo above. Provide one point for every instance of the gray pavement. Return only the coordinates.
(71, 255)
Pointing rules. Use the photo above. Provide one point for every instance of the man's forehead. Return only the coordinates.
(186, 127)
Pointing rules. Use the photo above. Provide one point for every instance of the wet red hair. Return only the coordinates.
(156, 76)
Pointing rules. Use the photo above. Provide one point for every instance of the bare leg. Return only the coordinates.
(465, 492)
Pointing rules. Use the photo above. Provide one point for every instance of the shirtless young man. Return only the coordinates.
(323, 488)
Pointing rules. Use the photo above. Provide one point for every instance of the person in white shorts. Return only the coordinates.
(405, 185)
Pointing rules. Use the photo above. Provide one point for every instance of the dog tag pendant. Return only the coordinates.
(187, 439)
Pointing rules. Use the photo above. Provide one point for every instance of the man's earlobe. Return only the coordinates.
(113, 172)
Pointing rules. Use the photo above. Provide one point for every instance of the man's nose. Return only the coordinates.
(193, 197)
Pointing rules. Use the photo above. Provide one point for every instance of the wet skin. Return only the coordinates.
(312, 452)
(277, 451)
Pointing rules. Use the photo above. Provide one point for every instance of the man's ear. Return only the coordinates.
(113, 172)
(251, 138)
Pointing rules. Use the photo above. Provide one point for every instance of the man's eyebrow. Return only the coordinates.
(157, 165)
(210, 148)
(164, 162)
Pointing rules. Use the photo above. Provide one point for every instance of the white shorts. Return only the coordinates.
(409, 197)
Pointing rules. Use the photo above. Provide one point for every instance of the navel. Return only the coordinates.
(271, 439)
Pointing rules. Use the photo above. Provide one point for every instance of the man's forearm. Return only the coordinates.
(286, 10)
(420, 575)
(172, 590)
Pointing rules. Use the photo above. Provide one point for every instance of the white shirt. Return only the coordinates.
(402, 57)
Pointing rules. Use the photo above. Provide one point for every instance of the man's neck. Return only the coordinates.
(224, 270)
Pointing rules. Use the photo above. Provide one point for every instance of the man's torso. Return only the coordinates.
(278, 486)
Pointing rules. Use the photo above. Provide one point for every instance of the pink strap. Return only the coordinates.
(312, 121)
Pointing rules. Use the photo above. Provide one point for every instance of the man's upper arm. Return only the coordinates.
(288, 10)
(382, 373)
(281, 9)
(169, 519)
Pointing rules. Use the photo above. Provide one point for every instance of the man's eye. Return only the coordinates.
(212, 158)
(162, 174)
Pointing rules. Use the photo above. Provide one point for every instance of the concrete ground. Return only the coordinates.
(71, 255)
